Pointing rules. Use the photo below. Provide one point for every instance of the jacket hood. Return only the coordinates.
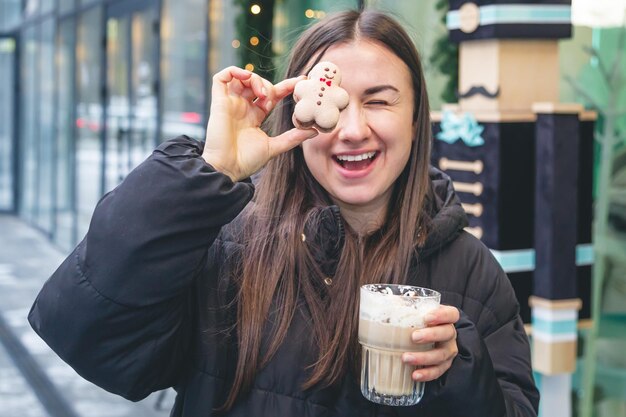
(448, 217)
(447, 220)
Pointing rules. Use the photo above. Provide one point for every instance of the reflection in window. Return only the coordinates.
(183, 46)
(46, 126)
(47, 5)
(118, 106)
(10, 13)
(31, 7)
(66, 5)
(131, 97)
(65, 208)
(88, 116)
(223, 39)
(7, 95)
(29, 150)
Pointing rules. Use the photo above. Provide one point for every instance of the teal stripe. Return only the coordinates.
(524, 259)
(516, 13)
(452, 20)
(584, 254)
(516, 260)
(513, 13)
(554, 327)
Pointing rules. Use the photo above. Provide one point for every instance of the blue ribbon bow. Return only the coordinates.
(462, 127)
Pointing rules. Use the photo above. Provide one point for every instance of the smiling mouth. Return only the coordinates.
(329, 77)
(356, 162)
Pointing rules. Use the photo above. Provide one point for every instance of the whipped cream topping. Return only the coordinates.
(397, 305)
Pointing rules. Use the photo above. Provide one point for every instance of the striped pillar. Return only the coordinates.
(554, 334)
(554, 337)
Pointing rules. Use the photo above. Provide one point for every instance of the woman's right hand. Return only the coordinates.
(240, 101)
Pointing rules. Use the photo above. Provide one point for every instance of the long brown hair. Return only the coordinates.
(278, 269)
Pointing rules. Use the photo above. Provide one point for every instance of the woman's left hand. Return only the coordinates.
(439, 330)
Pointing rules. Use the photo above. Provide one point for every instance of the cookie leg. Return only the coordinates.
(301, 125)
(304, 114)
(327, 118)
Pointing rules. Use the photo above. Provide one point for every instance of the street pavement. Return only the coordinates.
(34, 382)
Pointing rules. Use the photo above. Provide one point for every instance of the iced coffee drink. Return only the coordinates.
(388, 315)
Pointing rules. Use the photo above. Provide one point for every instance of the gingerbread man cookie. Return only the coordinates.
(319, 99)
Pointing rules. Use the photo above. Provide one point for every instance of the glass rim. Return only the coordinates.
(427, 292)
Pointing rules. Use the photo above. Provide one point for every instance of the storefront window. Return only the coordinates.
(10, 13)
(88, 116)
(45, 100)
(47, 6)
(7, 98)
(29, 151)
(183, 57)
(31, 7)
(85, 2)
(65, 209)
(66, 5)
(131, 80)
(223, 39)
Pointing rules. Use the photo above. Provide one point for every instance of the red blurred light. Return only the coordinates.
(191, 117)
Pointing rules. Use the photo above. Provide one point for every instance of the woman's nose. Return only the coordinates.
(352, 125)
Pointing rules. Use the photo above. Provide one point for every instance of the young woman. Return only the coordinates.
(245, 299)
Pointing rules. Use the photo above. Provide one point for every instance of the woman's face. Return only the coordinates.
(358, 162)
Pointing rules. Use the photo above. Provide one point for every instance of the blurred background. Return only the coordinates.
(89, 87)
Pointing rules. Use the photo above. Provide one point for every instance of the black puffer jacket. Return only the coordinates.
(133, 308)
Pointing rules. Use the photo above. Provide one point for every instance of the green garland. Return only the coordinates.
(445, 58)
(258, 26)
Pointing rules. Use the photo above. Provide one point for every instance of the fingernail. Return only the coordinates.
(408, 358)
(417, 376)
(429, 317)
(416, 336)
(268, 105)
(264, 92)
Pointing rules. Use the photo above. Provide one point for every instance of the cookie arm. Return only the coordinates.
(341, 98)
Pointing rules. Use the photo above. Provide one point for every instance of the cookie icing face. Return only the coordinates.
(319, 99)
(326, 70)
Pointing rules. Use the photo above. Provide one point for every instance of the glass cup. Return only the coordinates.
(388, 315)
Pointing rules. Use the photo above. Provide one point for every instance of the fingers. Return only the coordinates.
(443, 352)
(442, 315)
(252, 87)
(286, 87)
(265, 100)
(440, 333)
(235, 80)
(276, 93)
(226, 76)
(432, 372)
(288, 140)
(432, 363)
